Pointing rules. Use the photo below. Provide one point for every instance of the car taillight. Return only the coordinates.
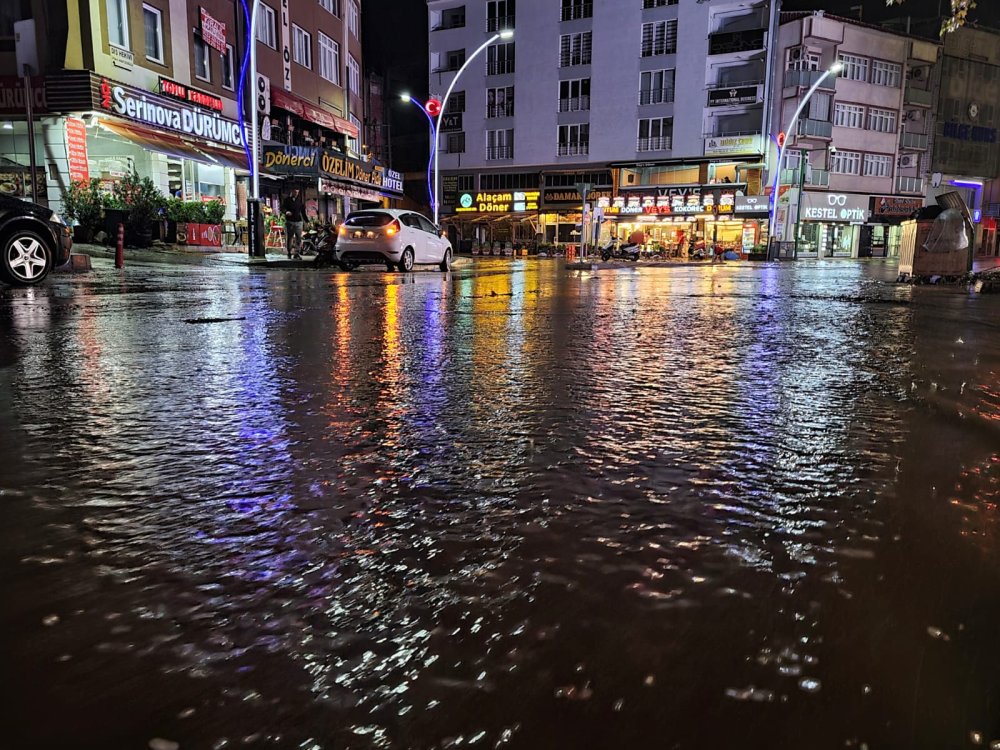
(342, 231)
(393, 228)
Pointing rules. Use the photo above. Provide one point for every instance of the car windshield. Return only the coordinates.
(372, 219)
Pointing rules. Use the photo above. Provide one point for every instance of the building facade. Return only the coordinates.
(657, 105)
(153, 86)
(855, 165)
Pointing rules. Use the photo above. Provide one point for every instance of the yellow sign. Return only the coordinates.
(498, 203)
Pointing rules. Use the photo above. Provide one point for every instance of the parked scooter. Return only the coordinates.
(617, 251)
(324, 242)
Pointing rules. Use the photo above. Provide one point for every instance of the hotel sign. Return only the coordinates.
(324, 163)
(733, 95)
(498, 203)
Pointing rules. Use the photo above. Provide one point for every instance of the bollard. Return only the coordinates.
(120, 247)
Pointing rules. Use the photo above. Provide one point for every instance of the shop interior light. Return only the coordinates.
(8, 126)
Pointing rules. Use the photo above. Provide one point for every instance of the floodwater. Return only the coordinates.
(516, 507)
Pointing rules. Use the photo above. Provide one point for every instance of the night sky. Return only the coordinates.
(395, 38)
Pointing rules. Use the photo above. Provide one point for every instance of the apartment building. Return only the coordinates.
(154, 86)
(855, 163)
(658, 105)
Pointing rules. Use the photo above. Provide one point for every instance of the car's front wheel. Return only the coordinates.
(406, 260)
(446, 261)
(25, 259)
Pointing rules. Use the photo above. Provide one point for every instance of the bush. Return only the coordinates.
(84, 204)
(141, 198)
(214, 212)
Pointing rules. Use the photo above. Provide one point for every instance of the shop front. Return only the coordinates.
(881, 237)
(830, 224)
(496, 222)
(562, 219)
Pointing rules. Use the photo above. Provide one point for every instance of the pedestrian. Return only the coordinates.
(294, 211)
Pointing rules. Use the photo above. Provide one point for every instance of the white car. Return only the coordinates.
(399, 239)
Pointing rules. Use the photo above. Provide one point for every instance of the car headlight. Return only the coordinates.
(57, 219)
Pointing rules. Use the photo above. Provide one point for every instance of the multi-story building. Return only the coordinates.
(855, 163)
(658, 105)
(154, 86)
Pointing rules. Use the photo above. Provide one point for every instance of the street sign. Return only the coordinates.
(450, 122)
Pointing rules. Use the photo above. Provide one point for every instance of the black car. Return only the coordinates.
(33, 241)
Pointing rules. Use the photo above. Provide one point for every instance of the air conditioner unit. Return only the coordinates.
(908, 161)
(916, 74)
(914, 115)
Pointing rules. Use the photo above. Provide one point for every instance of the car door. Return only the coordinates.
(415, 237)
(435, 244)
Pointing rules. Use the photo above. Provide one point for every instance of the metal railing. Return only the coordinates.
(909, 184)
(815, 128)
(813, 176)
(499, 152)
(660, 143)
(916, 141)
(920, 97)
(499, 67)
(656, 96)
(500, 110)
(499, 23)
(577, 10)
(574, 149)
(574, 104)
(806, 78)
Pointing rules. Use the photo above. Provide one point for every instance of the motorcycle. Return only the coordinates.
(323, 242)
(613, 249)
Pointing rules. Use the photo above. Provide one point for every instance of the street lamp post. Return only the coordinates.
(251, 145)
(430, 162)
(505, 34)
(832, 70)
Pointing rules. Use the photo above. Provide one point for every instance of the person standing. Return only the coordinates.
(294, 210)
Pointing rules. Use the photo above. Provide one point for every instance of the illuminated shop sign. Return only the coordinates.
(498, 203)
(735, 95)
(570, 197)
(835, 207)
(317, 162)
(680, 201)
(188, 94)
(151, 109)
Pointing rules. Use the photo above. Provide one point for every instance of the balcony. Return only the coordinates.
(660, 143)
(909, 185)
(736, 41)
(499, 152)
(499, 67)
(574, 149)
(918, 97)
(577, 10)
(814, 177)
(806, 78)
(913, 141)
(815, 128)
(574, 104)
(656, 96)
(500, 110)
(499, 23)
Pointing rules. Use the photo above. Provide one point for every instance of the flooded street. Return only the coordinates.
(744, 506)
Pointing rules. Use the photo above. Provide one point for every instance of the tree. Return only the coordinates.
(959, 14)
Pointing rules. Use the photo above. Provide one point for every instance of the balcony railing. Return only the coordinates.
(914, 141)
(815, 128)
(910, 184)
(577, 10)
(813, 176)
(499, 152)
(656, 96)
(574, 149)
(918, 97)
(574, 104)
(806, 78)
(500, 110)
(499, 23)
(660, 143)
(499, 67)
(736, 41)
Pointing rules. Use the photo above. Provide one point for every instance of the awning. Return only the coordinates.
(309, 111)
(175, 145)
(226, 157)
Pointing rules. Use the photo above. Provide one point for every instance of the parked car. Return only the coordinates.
(33, 241)
(398, 239)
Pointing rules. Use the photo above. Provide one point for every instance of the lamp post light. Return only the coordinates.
(832, 70)
(505, 35)
(251, 145)
(430, 162)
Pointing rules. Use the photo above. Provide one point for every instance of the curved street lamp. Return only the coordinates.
(832, 70)
(505, 34)
(430, 162)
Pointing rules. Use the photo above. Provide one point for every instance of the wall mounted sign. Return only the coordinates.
(724, 145)
(286, 47)
(890, 205)
(450, 123)
(12, 95)
(553, 197)
(751, 204)
(962, 132)
(164, 112)
(186, 93)
(123, 58)
(307, 161)
(76, 150)
(734, 95)
(498, 203)
(835, 207)
(213, 32)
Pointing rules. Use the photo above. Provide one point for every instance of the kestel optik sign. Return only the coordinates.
(139, 105)
(835, 207)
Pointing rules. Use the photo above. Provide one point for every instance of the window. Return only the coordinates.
(466, 183)
(227, 68)
(882, 120)
(574, 140)
(500, 59)
(845, 162)
(886, 73)
(118, 23)
(655, 134)
(499, 15)
(202, 60)
(451, 60)
(656, 87)
(352, 142)
(302, 51)
(575, 49)
(510, 181)
(353, 17)
(152, 20)
(499, 144)
(647, 4)
(456, 103)
(329, 58)
(331, 5)
(793, 160)
(572, 9)
(574, 95)
(265, 26)
(454, 143)
(570, 179)
(500, 102)
(353, 75)
(452, 18)
(818, 107)
(659, 38)
(849, 116)
(878, 165)
(855, 68)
